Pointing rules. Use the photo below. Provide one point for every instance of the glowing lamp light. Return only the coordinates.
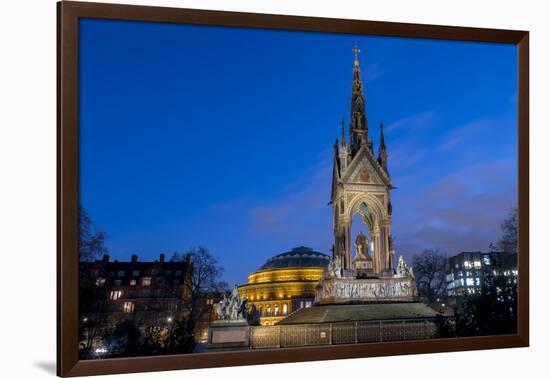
(169, 319)
(101, 350)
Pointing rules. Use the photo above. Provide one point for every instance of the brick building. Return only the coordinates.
(150, 293)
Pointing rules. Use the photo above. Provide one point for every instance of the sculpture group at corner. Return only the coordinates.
(231, 307)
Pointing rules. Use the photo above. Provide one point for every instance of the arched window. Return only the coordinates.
(276, 310)
(285, 309)
(268, 310)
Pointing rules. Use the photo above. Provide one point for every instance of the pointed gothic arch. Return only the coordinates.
(361, 184)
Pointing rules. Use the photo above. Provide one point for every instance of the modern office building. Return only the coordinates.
(471, 273)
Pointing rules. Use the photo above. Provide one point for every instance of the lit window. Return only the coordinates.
(115, 294)
(121, 273)
(128, 306)
(100, 282)
(132, 282)
(146, 281)
(469, 281)
(268, 310)
(477, 264)
(285, 309)
(276, 310)
(486, 260)
(308, 304)
(467, 265)
(301, 304)
(135, 273)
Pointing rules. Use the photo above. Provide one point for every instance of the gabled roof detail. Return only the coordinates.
(365, 160)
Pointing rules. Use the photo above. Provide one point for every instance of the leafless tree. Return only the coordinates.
(205, 278)
(429, 270)
(91, 241)
(509, 240)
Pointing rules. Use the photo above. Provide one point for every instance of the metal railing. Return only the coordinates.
(288, 336)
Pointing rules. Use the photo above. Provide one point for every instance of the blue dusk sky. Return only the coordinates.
(222, 137)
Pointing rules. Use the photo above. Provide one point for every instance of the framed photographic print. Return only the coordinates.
(240, 188)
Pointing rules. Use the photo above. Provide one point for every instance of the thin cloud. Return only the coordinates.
(372, 72)
(298, 216)
(461, 211)
(458, 137)
(414, 122)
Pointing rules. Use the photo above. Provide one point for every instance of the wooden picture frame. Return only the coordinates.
(69, 13)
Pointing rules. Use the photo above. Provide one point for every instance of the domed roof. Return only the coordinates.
(299, 257)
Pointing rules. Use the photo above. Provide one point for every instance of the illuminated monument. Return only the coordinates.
(361, 184)
(361, 295)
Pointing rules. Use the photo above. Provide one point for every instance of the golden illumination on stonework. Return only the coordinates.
(284, 284)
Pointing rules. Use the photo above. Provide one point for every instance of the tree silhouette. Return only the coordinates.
(91, 241)
(508, 242)
(205, 279)
(429, 269)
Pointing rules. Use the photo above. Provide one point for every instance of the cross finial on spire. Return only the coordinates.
(356, 51)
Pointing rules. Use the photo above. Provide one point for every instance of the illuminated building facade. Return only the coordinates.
(208, 315)
(285, 283)
(470, 273)
(150, 293)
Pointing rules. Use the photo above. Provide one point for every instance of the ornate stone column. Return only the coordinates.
(386, 235)
(378, 257)
(343, 244)
(348, 247)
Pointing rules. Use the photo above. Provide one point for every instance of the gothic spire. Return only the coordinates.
(343, 156)
(359, 126)
(382, 142)
(382, 153)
